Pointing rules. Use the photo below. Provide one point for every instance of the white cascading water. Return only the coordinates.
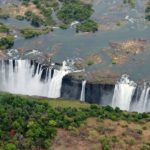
(142, 105)
(123, 93)
(21, 77)
(30, 78)
(82, 97)
(56, 82)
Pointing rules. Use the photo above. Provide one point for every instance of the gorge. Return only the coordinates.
(29, 77)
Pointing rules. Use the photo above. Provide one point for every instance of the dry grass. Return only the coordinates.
(20, 10)
(121, 135)
(2, 34)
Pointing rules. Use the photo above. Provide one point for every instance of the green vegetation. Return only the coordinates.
(87, 26)
(131, 2)
(20, 17)
(105, 141)
(31, 123)
(4, 16)
(114, 62)
(45, 16)
(89, 62)
(42, 13)
(3, 28)
(35, 20)
(6, 40)
(147, 11)
(33, 32)
(72, 11)
(76, 10)
(118, 23)
(63, 26)
(64, 103)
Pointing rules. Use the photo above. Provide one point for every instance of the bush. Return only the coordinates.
(4, 16)
(72, 11)
(35, 20)
(87, 26)
(52, 123)
(33, 32)
(131, 2)
(147, 11)
(10, 147)
(90, 62)
(6, 42)
(105, 142)
(20, 17)
(4, 28)
(139, 131)
(63, 26)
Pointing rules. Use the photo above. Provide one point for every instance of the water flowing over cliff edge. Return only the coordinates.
(29, 77)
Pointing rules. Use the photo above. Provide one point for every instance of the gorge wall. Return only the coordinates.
(94, 93)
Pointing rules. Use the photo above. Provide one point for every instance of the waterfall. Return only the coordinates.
(142, 104)
(30, 78)
(22, 77)
(56, 82)
(123, 93)
(130, 96)
(82, 97)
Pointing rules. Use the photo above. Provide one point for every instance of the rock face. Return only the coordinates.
(94, 93)
(99, 93)
(71, 88)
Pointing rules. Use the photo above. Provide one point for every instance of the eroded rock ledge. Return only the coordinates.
(97, 77)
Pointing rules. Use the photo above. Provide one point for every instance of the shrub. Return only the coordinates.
(72, 11)
(4, 28)
(33, 32)
(105, 142)
(139, 131)
(63, 26)
(6, 42)
(20, 17)
(4, 16)
(52, 123)
(87, 26)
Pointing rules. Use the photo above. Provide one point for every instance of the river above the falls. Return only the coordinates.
(69, 44)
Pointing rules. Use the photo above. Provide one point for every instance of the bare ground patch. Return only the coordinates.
(20, 10)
